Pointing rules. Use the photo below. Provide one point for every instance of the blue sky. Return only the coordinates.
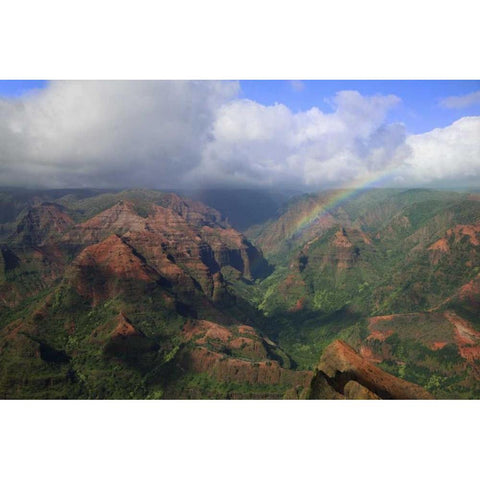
(17, 88)
(419, 110)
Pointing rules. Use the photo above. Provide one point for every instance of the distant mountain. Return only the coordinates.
(244, 208)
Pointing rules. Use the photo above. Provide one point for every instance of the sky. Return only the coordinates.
(252, 133)
(420, 109)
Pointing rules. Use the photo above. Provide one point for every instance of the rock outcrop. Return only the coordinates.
(239, 354)
(343, 374)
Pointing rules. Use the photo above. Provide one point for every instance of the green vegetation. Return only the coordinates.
(391, 272)
(372, 257)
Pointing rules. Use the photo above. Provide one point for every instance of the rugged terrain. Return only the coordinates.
(395, 273)
(144, 294)
(124, 295)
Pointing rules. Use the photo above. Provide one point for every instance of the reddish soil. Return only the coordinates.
(124, 328)
(298, 306)
(462, 334)
(246, 330)
(339, 361)
(467, 338)
(341, 240)
(440, 245)
(116, 258)
(206, 330)
(470, 289)
(456, 233)
(120, 217)
(382, 318)
(115, 328)
(367, 353)
(242, 342)
(292, 280)
(471, 231)
(248, 344)
(365, 238)
(380, 335)
(236, 370)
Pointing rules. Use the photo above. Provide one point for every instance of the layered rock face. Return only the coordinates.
(42, 224)
(108, 268)
(182, 241)
(240, 354)
(343, 373)
(236, 370)
(177, 241)
(341, 251)
(117, 294)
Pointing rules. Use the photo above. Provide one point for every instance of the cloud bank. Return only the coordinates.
(271, 145)
(175, 134)
(446, 153)
(115, 133)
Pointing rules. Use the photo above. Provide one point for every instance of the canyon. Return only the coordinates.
(148, 294)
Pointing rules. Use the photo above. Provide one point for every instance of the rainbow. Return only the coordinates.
(339, 196)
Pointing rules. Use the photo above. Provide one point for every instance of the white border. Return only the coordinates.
(220, 39)
(239, 440)
(232, 40)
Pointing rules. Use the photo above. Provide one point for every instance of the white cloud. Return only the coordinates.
(450, 153)
(461, 101)
(271, 145)
(187, 134)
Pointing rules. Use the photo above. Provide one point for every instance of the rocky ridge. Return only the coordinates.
(344, 374)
